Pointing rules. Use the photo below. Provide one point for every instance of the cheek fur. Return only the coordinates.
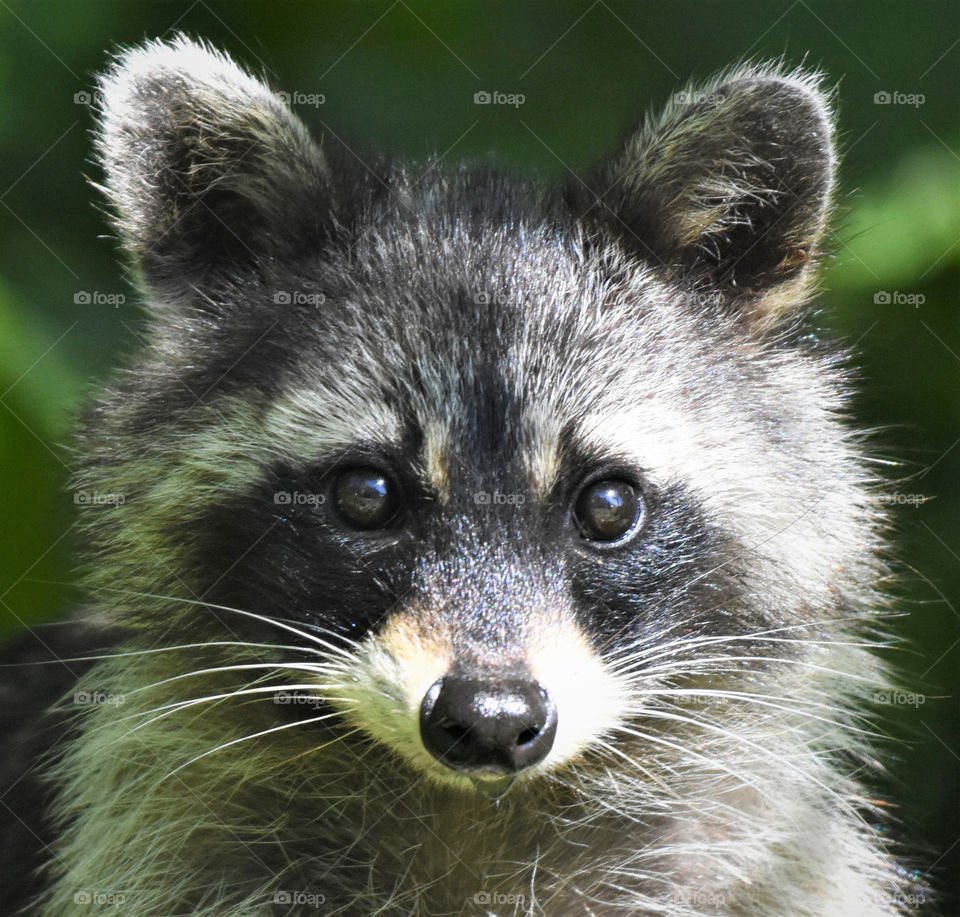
(392, 672)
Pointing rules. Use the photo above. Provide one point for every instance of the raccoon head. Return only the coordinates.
(510, 468)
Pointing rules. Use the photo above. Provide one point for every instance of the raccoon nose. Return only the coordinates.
(494, 725)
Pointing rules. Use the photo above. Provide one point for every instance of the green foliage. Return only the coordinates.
(36, 389)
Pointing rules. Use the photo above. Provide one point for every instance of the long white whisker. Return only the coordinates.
(730, 664)
(239, 667)
(256, 735)
(656, 640)
(762, 700)
(168, 709)
(166, 649)
(744, 741)
(265, 619)
(686, 752)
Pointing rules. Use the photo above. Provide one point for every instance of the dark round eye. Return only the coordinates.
(607, 510)
(365, 498)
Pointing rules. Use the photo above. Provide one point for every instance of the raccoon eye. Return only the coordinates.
(365, 498)
(607, 510)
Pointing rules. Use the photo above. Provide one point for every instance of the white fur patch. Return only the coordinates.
(313, 422)
(589, 699)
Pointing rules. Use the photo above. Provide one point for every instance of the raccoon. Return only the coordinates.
(473, 547)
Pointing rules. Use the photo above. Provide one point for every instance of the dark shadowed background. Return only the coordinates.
(402, 75)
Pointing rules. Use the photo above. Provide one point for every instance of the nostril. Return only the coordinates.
(528, 736)
(454, 731)
(486, 725)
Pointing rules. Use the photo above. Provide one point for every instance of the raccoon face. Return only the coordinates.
(521, 466)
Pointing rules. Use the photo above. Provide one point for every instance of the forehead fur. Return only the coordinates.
(425, 321)
(601, 351)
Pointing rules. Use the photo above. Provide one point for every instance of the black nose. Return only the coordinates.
(492, 725)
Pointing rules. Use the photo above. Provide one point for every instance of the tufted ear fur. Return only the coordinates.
(731, 185)
(205, 168)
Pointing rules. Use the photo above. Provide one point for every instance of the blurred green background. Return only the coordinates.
(401, 76)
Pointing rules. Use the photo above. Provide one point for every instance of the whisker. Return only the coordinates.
(789, 705)
(164, 649)
(687, 752)
(729, 664)
(257, 735)
(760, 636)
(169, 709)
(265, 619)
(741, 740)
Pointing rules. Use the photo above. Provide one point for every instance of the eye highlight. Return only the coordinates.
(365, 498)
(608, 510)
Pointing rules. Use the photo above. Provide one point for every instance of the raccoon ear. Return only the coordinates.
(206, 169)
(732, 183)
